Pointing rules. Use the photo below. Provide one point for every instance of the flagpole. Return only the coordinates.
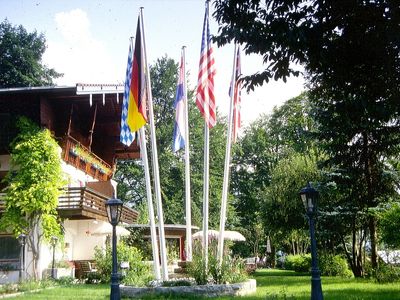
(156, 172)
(206, 177)
(205, 194)
(153, 232)
(226, 167)
(187, 167)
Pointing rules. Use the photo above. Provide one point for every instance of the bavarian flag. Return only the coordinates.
(138, 88)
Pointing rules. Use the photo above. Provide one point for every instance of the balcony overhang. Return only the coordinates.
(79, 203)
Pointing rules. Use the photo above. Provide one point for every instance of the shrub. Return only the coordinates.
(195, 269)
(65, 280)
(179, 282)
(231, 270)
(387, 273)
(298, 263)
(334, 265)
(138, 274)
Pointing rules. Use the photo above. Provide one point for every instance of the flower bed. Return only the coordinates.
(210, 290)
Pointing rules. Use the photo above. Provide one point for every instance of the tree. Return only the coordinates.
(34, 183)
(350, 52)
(390, 222)
(266, 142)
(284, 215)
(317, 34)
(21, 58)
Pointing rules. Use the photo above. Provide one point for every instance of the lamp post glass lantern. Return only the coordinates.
(309, 198)
(114, 210)
(22, 241)
(53, 242)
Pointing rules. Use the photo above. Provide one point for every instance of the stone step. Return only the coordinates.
(182, 264)
(180, 270)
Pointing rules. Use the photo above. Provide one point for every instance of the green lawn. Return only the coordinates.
(271, 284)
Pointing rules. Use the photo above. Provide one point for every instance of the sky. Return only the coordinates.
(88, 41)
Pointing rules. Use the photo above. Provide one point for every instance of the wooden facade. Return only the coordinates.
(87, 129)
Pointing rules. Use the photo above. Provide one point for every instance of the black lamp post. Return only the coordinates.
(309, 197)
(114, 209)
(22, 240)
(53, 242)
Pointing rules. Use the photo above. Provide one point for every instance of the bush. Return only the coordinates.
(334, 265)
(231, 270)
(387, 273)
(138, 274)
(65, 280)
(195, 269)
(298, 263)
(179, 282)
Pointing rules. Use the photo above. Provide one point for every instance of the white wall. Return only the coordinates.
(76, 178)
(79, 235)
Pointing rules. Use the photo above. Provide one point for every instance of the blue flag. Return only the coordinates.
(126, 137)
(179, 105)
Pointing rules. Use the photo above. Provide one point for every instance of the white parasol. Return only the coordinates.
(106, 229)
(228, 235)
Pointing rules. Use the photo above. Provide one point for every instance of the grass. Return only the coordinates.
(271, 285)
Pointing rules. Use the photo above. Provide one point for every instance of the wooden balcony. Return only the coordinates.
(83, 159)
(2, 203)
(85, 203)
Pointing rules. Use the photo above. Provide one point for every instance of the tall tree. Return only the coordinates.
(350, 52)
(266, 142)
(21, 58)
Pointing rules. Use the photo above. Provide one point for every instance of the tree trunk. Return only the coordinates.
(373, 240)
(272, 256)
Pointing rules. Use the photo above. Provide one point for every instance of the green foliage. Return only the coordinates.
(298, 263)
(389, 226)
(138, 274)
(333, 265)
(179, 282)
(231, 270)
(21, 58)
(34, 181)
(34, 184)
(136, 239)
(387, 273)
(66, 280)
(172, 251)
(273, 160)
(30, 285)
(196, 269)
(353, 91)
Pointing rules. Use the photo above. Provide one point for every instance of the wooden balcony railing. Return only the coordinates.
(85, 203)
(83, 159)
(2, 203)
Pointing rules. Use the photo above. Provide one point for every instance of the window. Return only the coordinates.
(10, 250)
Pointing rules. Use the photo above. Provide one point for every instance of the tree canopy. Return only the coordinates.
(21, 58)
(341, 39)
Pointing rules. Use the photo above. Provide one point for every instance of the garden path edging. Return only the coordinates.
(211, 290)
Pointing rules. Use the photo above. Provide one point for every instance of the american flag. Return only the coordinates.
(236, 97)
(205, 99)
